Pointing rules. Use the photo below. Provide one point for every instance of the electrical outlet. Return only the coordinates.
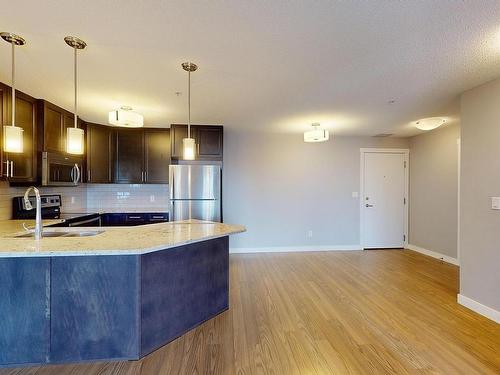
(309, 233)
(495, 203)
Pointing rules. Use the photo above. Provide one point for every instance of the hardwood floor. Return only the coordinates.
(370, 312)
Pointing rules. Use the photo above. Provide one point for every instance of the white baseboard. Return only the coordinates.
(433, 254)
(292, 249)
(481, 309)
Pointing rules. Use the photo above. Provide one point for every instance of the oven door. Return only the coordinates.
(60, 170)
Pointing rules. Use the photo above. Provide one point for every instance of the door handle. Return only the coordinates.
(368, 205)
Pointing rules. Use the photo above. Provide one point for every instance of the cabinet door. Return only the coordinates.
(177, 134)
(99, 154)
(68, 122)
(129, 156)
(209, 142)
(24, 164)
(52, 129)
(157, 155)
(2, 123)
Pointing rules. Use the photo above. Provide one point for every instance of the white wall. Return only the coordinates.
(280, 188)
(480, 180)
(434, 190)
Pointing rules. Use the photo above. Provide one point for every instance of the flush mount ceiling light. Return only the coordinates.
(125, 117)
(13, 135)
(317, 134)
(188, 144)
(75, 135)
(429, 123)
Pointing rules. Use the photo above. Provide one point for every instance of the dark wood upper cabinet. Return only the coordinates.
(209, 142)
(99, 153)
(52, 123)
(23, 166)
(177, 134)
(208, 138)
(129, 157)
(156, 155)
(142, 156)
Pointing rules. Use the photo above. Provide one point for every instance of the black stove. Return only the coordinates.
(51, 207)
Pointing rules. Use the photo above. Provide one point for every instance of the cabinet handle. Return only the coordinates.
(197, 149)
(11, 169)
(7, 172)
(88, 176)
(135, 217)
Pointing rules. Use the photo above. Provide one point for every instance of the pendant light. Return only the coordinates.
(75, 135)
(317, 134)
(188, 144)
(13, 135)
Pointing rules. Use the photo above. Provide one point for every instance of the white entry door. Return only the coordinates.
(384, 200)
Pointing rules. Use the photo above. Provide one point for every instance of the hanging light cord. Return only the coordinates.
(13, 84)
(189, 101)
(76, 86)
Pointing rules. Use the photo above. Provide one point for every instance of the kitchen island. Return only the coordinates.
(117, 295)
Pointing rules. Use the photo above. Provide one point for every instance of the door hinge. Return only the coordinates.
(404, 200)
(404, 237)
(404, 163)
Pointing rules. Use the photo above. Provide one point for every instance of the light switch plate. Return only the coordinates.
(495, 203)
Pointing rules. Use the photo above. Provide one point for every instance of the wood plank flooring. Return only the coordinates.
(358, 312)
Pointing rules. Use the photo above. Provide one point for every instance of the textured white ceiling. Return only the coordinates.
(264, 65)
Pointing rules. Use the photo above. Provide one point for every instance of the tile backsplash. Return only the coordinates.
(96, 197)
(74, 199)
(127, 197)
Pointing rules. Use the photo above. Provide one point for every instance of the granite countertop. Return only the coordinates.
(113, 241)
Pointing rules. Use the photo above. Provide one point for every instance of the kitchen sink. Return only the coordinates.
(85, 233)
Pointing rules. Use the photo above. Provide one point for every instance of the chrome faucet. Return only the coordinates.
(29, 206)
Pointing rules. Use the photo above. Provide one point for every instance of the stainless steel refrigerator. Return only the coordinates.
(195, 192)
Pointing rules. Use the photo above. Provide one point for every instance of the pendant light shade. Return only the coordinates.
(189, 144)
(188, 149)
(13, 139)
(75, 136)
(74, 141)
(317, 134)
(12, 134)
(126, 118)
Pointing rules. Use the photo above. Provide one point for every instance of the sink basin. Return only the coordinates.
(86, 233)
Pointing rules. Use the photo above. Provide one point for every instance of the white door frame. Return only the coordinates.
(363, 151)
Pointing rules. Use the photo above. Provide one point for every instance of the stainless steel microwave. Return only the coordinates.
(61, 170)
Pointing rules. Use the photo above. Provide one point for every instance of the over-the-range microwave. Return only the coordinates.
(61, 170)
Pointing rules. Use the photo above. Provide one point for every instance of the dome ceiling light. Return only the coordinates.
(317, 134)
(429, 123)
(126, 118)
(13, 135)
